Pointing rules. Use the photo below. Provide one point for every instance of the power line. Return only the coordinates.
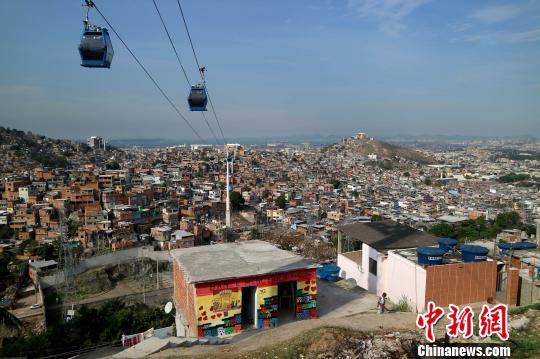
(200, 71)
(180, 63)
(148, 74)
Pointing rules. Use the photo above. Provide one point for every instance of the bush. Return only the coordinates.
(402, 305)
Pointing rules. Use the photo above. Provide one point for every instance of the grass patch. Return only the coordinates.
(526, 346)
(402, 305)
(524, 309)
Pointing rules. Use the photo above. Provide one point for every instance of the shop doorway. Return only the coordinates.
(286, 301)
(248, 307)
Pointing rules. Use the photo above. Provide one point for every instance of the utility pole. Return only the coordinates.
(157, 273)
(228, 203)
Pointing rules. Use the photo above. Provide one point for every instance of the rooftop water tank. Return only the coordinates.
(473, 253)
(524, 245)
(447, 244)
(504, 247)
(430, 255)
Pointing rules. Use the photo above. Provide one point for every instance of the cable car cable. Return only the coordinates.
(148, 74)
(180, 63)
(210, 128)
(171, 42)
(201, 71)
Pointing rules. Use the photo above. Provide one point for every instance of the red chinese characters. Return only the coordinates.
(494, 321)
(429, 319)
(460, 321)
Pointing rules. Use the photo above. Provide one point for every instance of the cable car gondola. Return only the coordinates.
(198, 98)
(95, 48)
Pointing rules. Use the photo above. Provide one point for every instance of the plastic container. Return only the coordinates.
(447, 244)
(328, 272)
(430, 255)
(474, 253)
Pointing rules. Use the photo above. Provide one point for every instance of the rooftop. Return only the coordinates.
(387, 234)
(43, 264)
(234, 260)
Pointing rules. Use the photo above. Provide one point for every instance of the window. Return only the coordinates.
(372, 266)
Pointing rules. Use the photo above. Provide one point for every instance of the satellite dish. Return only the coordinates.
(168, 307)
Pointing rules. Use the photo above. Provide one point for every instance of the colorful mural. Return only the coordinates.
(219, 304)
(306, 299)
(219, 314)
(267, 307)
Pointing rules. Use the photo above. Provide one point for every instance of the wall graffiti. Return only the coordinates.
(219, 304)
(306, 299)
(267, 307)
(219, 314)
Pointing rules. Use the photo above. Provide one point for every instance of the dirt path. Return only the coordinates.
(366, 322)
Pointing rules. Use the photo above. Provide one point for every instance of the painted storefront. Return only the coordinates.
(219, 304)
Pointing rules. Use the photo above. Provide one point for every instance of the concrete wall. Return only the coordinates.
(360, 272)
(530, 293)
(218, 305)
(404, 278)
(369, 281)
(461, 283)
(349, 269)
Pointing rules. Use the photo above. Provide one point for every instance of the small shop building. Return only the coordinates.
(221, 289)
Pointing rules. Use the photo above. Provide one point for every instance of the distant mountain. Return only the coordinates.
(21, 150)
(367, 146)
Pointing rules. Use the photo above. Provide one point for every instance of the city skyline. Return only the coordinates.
(280, 69)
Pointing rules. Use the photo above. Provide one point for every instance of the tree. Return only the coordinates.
(508, 220)
(113, 165)
(443, 230)
(407, 174)
(335, 183)
(9, 321)
(281, 202)
(46, 251)
(73, 228)
(237, 200)
(427, 181)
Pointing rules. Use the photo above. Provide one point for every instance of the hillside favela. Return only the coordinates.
(254, 179)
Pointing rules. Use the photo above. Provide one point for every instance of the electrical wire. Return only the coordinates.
(182, 66)
(200, 71)
(148, 74)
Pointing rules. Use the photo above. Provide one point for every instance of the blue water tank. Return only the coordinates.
(328, 271)
(430, 255)
(504, 247)
(447, 244)
(524, 245)
(473, 253)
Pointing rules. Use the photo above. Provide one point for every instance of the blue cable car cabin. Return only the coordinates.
(96, 48)
(197, 98)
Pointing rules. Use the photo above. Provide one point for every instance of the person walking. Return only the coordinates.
(381, 304)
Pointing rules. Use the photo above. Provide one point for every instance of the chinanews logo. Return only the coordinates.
(492, 320)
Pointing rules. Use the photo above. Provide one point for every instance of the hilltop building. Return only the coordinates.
(95, 142)
(221, 289)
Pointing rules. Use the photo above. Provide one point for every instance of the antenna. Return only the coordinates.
(168, 307)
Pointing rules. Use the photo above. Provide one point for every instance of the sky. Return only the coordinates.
(278, 68)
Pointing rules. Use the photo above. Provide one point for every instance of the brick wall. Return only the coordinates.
(512, 286)
(184, 297)
(461, 283)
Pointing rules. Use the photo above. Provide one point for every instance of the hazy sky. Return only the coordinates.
(278, 67)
